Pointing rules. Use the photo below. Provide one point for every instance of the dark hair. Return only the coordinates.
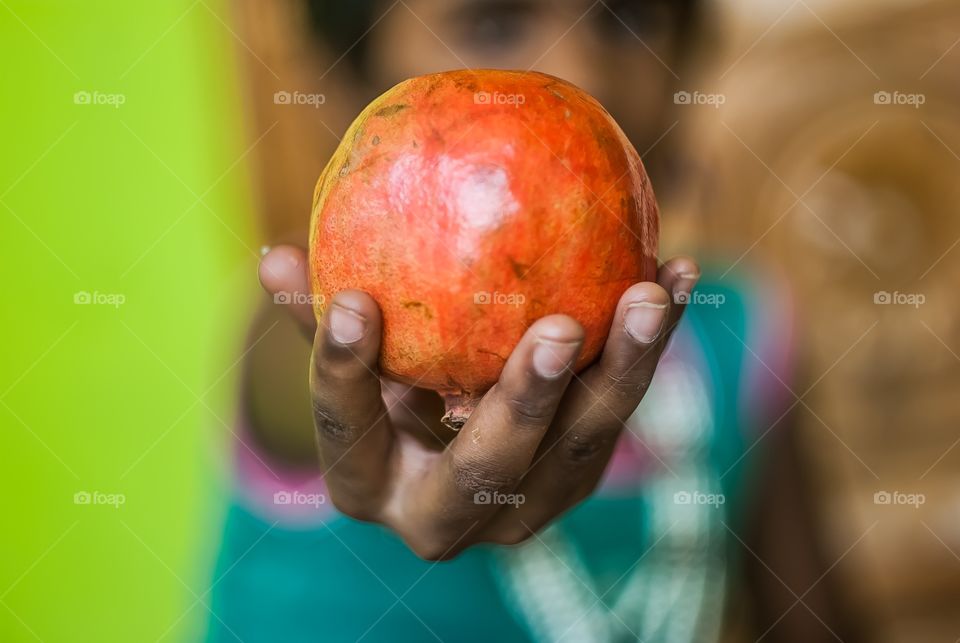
(343, 24)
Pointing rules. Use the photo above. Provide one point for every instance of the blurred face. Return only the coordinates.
(621, 51)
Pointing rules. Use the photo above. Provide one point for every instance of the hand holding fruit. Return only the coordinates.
(540, 431)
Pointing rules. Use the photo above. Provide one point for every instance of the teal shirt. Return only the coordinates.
(643, 561)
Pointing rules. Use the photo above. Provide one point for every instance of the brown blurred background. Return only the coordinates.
(855, 198)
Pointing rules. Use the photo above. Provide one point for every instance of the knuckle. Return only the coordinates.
(433, 549)
(630, 382)
(530, 412)
(345, 371)
(331, 427)
(513, 536)
(351, 507)
(580, 448)
(475, 478)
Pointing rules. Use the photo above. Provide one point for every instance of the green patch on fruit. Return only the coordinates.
(419, 305)
(390, 110)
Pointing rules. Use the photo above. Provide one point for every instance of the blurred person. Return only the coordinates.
(633, 524)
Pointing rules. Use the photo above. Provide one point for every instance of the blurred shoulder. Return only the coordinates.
(743, 321)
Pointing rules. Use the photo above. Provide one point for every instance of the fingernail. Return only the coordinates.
(644, 320)
(264, 250)
(346, 326)
(685, 284)
(551, 358)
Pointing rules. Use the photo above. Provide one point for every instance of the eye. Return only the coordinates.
(494, 25)
(630, 18)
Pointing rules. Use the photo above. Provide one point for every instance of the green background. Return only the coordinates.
(149, 201)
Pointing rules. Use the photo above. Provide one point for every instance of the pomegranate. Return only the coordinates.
(469, 204)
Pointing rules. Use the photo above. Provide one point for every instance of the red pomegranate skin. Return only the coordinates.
(471, 203)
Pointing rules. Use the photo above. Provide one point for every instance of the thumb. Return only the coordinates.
(284, 274)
